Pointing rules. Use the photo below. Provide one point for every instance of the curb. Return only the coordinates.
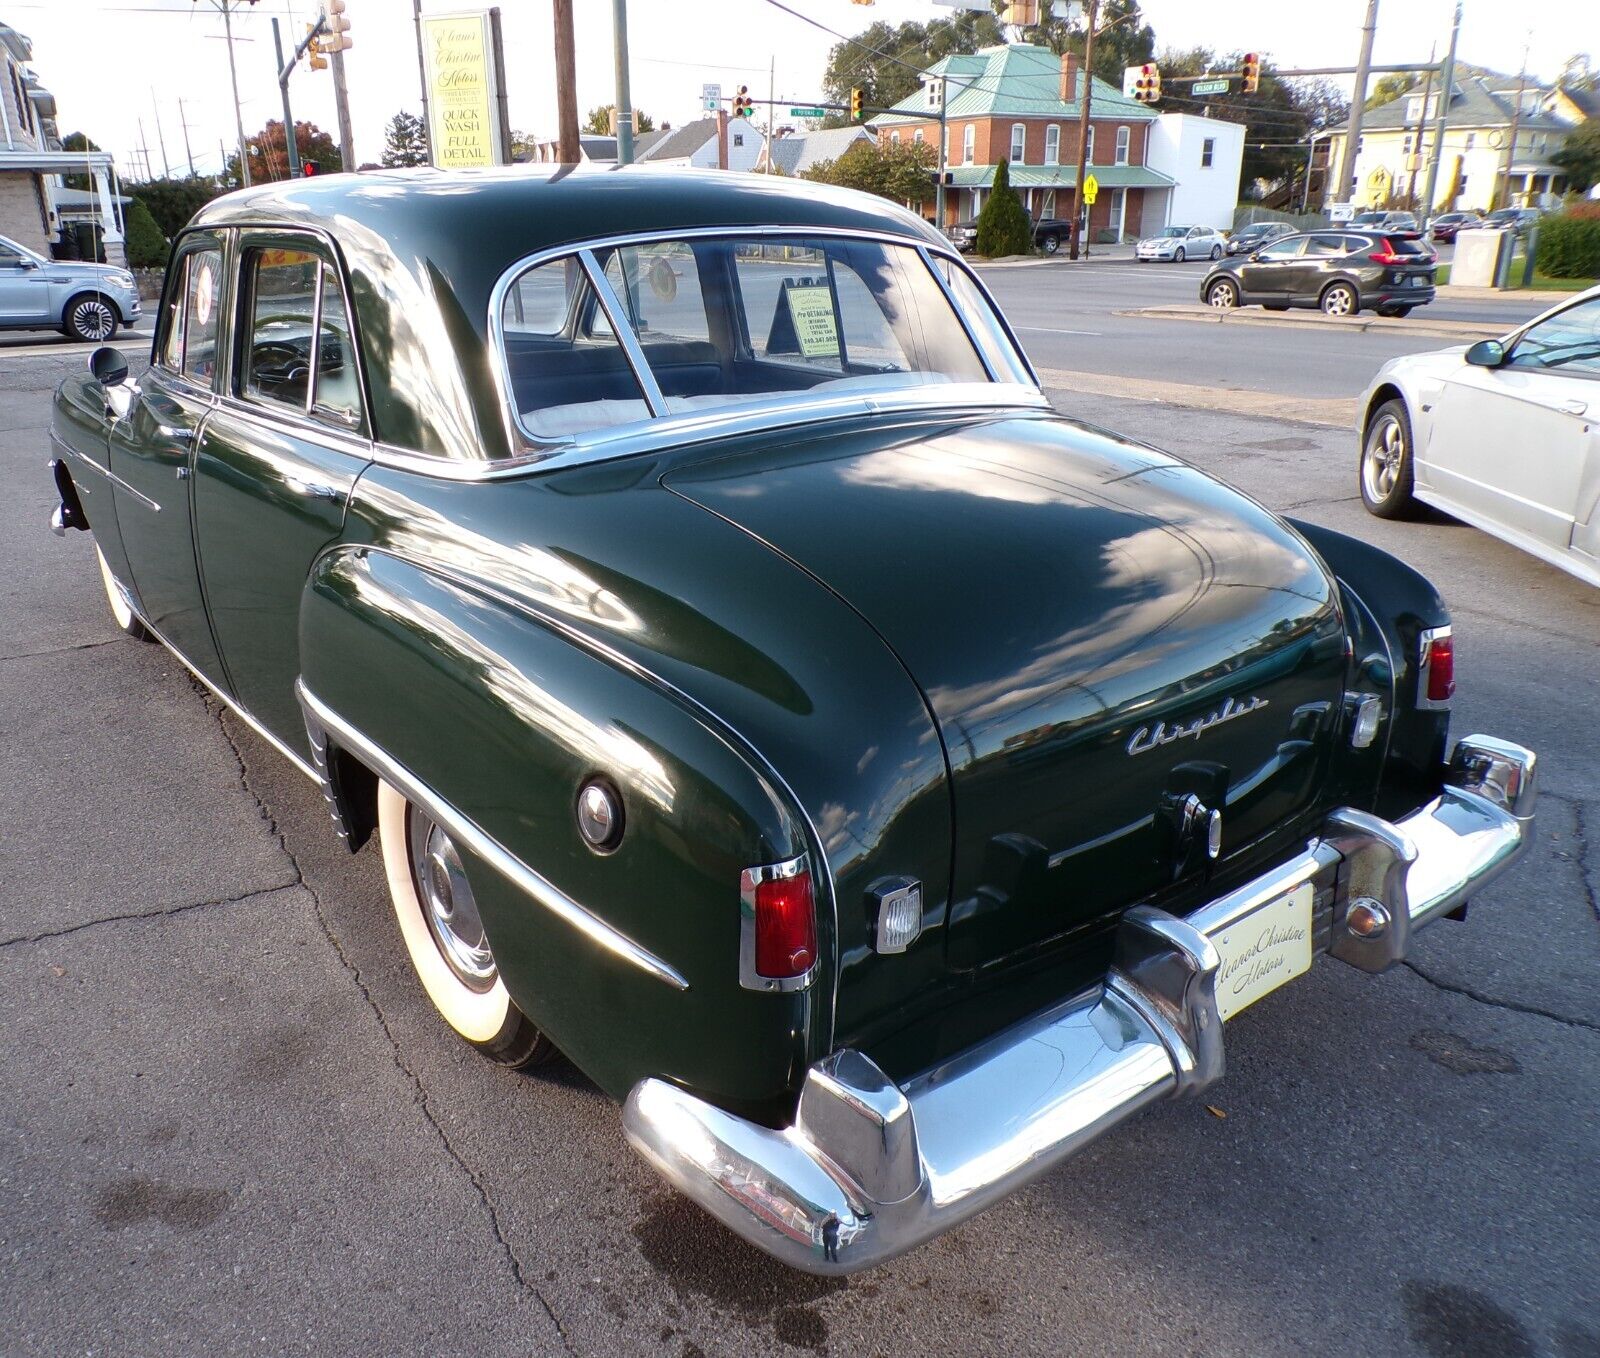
(1398, 325)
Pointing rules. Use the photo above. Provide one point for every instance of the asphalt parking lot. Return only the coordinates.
(230, 1122)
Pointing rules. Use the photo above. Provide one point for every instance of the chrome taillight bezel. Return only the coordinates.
(1426, 641)
(749, 880)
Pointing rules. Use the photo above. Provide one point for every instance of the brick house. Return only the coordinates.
(1021, 103)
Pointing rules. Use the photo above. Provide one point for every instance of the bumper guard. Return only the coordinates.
(871, 1169)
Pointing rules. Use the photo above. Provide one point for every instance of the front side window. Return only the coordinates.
(1284, 249)
(297, 348)
(1568, 342)
(202, 307)
(1124, 136)
(717, 322)
(1019, 141)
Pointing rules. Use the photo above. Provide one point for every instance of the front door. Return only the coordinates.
(152, 454)
(24, 295)
(1270, 273)
(276, 463)
(1519, 442)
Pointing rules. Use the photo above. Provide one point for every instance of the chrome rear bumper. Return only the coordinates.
(871, 1168)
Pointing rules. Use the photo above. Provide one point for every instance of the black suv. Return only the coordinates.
(1340, 270)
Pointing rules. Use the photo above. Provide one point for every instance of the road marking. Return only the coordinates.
(1052, 330)
(1336, 412)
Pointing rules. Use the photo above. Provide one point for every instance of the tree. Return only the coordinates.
(1121, 39)
(269, 158)
(1390, 87)
(1003, 225)
(79, 142)
(599, 120)
(146, 246)
(405, 141)
(885, 59)
(1579, 155)
(902, 173)
(172, 202)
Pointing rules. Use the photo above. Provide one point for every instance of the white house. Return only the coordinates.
(794, 153)
(1203, 157)
(695, 144)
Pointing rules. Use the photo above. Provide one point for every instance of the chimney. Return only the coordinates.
(1070, 66)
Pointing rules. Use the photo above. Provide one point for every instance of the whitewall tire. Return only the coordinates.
(121, 613)
(443, 934)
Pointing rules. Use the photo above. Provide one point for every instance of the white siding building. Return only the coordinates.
(1203, 156)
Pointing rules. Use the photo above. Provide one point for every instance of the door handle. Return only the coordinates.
(1574, 407)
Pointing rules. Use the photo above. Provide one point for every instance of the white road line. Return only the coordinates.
(1051, 330)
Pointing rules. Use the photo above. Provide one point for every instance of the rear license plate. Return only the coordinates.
(1264, 950)
(1419, 282)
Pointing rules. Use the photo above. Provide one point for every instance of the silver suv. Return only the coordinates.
(86, 301)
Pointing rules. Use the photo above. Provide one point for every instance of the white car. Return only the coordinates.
(1179, 243)
(1504, 435)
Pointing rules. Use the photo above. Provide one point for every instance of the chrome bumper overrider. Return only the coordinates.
(870, 1168)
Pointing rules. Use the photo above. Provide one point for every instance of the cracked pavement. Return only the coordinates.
(229, 1119)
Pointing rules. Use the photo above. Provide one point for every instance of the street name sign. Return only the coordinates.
(808, 113)
(1210, 87)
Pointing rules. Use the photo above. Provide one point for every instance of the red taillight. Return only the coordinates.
(1387, 255)
(785, 922)
(1438, 664)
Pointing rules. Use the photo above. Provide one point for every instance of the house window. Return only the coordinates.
(894, 139)
(1052, 145)
(916, 137)
(738, 138)
(1019, 143)
(1207, 150)
(1124, 135)
(1472, 140)
(1089, 146)
(969, 144)
(1405, 144)
(932, 88)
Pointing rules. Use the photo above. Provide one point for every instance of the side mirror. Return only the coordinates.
(108, 367)
(1486, 354)
(1255, 258)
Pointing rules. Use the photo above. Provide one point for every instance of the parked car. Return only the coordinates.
(1500, 434)
(84, 301)
(964, 236)
(1248, 239)
(1445, 226)
(1051, 233)
(1517, 219)
(880, 784)
(1339, 271)
(1385, 221)
(1178, 243)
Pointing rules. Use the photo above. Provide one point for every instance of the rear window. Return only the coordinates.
(1408, 247)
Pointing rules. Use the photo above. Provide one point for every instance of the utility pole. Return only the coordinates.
(161, 139)
(497, 53)
(233, 74)
(772, 104)
(1422, 127)
(341, 104)
(1078, 224)
(183, 119)
(619, 20)
(1502, 197)
(1358, 97)
(291, 143)
(1446, 88)
(566, 84)
(722, 139)
(149, 173)
(944, 147)
(422, 76)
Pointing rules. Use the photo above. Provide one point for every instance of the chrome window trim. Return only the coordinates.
(623, 329)
(667, 429)
(749, 879)
(543, 891)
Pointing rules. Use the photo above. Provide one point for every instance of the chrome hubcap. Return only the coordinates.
(93, 319)
(1338, 303)
(1221, 295)
(448, 903)
(1380, 468)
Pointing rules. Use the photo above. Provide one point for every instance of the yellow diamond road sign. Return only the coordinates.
(1091, 188)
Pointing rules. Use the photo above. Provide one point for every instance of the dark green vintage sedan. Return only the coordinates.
(880, 784)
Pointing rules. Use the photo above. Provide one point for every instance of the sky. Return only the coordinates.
(114, 64)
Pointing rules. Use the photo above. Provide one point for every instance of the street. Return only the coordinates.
(230, 1119)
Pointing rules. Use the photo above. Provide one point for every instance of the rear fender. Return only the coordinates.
(503, 719)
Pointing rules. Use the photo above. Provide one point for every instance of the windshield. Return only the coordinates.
(707, 324)
(1172, 231)
(9, 246)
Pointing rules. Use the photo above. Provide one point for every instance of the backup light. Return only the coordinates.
(1367, 718)
(897, 919)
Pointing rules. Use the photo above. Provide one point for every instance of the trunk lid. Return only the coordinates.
(1100, 633)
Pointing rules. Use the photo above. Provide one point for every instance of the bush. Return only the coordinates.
(172, 202)
(1003, 225)
(146, 246)
(1569, 244)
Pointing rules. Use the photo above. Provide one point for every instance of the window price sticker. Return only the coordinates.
(811, 310)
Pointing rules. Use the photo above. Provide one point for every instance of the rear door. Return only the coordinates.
(276, 463)
(151, 451)
(1519, 443)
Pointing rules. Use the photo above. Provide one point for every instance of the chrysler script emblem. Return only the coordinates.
(1152, 737)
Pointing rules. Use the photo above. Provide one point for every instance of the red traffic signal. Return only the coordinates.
(1251, 70)
(308, 168)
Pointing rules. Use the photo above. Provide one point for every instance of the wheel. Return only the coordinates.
(1340, 300)
(1180, 256)
(121, 612)
(1216, 252)
(1222, 294)
(90, 318)
(1050, 242)
(1386, 485)
(443, 932)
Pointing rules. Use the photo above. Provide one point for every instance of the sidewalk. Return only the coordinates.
(1461, 292)
(1098, 254)
(1409, 325)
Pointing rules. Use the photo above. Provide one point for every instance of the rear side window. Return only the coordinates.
(1327, 245)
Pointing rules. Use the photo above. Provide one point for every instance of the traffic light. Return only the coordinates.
(855, 104)
(1142, 83)
(308, 169)
(1251, 70)
(742, 107)
(336, 28)
(318, 61)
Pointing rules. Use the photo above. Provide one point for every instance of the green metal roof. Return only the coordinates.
(1062, 176)
(1017, 80)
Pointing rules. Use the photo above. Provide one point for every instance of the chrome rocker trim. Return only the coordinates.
(870, 1169)
(322, 721)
